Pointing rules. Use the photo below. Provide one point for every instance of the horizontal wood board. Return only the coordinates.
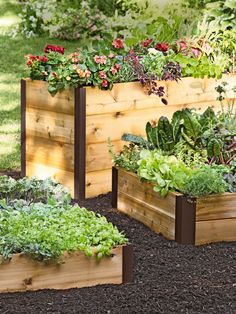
(138, 200)
(76, 271)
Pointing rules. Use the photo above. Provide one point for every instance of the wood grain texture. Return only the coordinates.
(37, 96)
(50, 153)
(50, 125)
(215, 231)
(98, 182)
(138, 200)
(216, 207)
(76, 271)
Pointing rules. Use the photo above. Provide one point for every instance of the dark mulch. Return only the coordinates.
(168, 278)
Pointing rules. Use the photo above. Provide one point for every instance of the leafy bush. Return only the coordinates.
(46, 231)
(31, 190)
(205, 181)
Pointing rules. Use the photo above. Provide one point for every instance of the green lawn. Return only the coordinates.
(12, 69)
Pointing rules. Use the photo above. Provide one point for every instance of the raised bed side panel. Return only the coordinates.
(216, 218)
(76, 271)
(49, 133)
(139, 201)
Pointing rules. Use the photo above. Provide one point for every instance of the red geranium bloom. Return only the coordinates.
(43, 59)
(59, 49)
(147, 42)
(118, 43)
(104, 83)
(162, 47)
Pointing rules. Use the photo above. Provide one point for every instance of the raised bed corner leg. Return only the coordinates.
(23, 128)
(185, 220)
(114, 187)
(79, 144)
(127, 264)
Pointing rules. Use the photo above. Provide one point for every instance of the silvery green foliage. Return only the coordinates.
(30, 190)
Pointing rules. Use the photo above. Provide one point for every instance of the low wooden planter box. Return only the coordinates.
(66, 136)
(186, 220)
(23, 273)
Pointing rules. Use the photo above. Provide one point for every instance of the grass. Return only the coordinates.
(12, 69)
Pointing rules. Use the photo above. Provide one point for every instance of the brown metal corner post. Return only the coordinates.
(79, 144)
(23, 127)
(114, 196)
(127, 264)
(185, 220)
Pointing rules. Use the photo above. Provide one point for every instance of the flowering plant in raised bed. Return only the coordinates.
(148, 61)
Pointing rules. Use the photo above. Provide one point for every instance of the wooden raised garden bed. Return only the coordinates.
(66, 136)
(23, 273)
(177, 217)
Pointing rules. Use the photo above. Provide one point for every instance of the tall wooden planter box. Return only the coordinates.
(186, 220)
(66, 136)
(22, 273)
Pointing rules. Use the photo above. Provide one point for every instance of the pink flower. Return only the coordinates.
(113, 70)
(104, 83)
(75, 60)
(102, 75)
(118, 43)
(111, 55)
(196, 52)
(100, 59)
(147, 42)
(117, 66)
(181, 45)
(164, 47)
(87, 73)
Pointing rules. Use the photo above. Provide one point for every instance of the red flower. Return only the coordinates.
(43, 59)
(102, 75)
(29, 62)
(147, 42)
(162, 47)
(104, 83)
(118, 43)
(59, 49)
